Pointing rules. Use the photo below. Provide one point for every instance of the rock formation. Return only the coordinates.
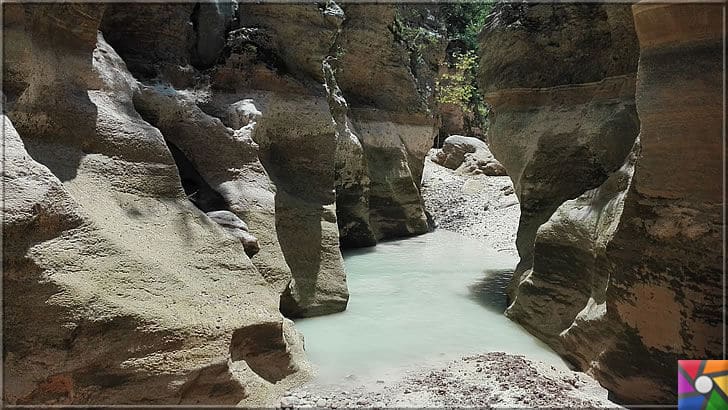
(237, 228)
(624, 279)
(178, 177)
(133, 122)
(118, 289)
(392, 120)
(666, 251)
(251, 99)
(454, 120)
(468, 155)
(563, 99)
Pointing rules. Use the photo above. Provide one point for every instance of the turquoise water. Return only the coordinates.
(418, 302)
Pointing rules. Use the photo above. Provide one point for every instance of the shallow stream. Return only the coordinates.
(418, 302)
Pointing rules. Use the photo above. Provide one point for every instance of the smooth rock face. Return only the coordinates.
(124, 292)
(575, 111)
(625, 279)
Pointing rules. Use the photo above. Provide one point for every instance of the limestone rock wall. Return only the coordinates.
(389, 113)
(560, 79)
(279, 65)
(624, 279)
(133, 121)
(667, 249)
(117, 288)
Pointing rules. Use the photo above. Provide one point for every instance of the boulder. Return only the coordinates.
(469, 156)
(454, 149)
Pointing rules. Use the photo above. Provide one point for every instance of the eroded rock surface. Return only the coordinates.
(237, 228)
(666, 250)
(276, 96)
(133, 122)
(563, 100)
(624, 279)
(118, 289)
(392, 120)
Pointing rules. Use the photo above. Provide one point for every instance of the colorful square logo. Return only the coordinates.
(702, 384)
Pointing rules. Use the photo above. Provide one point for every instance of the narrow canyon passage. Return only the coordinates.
(239, 203)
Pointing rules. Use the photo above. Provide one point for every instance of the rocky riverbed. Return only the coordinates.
(487, 380)
(478, 205)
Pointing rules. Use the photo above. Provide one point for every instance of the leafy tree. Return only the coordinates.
(458, 87)
(463, 20)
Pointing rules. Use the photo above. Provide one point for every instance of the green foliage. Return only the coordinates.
(464, 21)
(459, 87)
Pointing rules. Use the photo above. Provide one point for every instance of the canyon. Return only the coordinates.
(180, 180)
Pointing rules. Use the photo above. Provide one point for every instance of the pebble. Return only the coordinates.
(475, 212)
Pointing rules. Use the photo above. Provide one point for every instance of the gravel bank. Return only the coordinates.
(481, 206)
(487, 380)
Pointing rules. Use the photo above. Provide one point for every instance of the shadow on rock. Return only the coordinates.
(490, 291)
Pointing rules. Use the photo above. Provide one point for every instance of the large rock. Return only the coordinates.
(563, 119)
(454, 149)
(300, 158)
(352, 173)
(297, 142)
(224, 169)
(562, 298)
(221, 133)
(118, 289)
(469, 156)
(626, 278)
(137, 146)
